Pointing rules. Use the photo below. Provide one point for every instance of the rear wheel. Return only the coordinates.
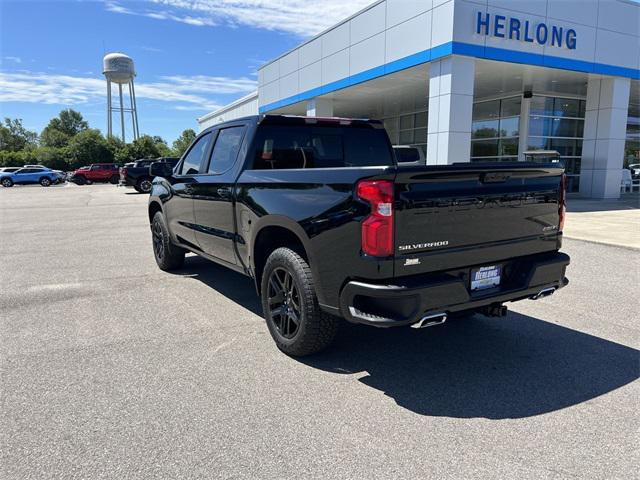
(114, 179)
(144, 185)
(45, 181)
(297, 324)
(7, 182)
(168, 256)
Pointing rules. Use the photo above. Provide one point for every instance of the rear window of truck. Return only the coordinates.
(280, 147)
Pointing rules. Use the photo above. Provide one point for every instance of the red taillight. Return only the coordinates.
(562, 201)
(377, 228)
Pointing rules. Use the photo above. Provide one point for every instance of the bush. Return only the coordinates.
(54, 158)
(17, 159)
(89, 146)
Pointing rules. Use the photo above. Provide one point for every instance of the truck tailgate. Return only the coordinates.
(463, 215)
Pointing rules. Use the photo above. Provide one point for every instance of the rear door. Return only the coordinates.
(214, 195)
(179, 208)
(473, 214)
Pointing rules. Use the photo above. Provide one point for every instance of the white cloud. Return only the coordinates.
(301, 17)
(9, 58)
(147, 48)
(184, 92)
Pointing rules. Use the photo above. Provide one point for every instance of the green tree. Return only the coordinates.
(61, 129)
(14, 137)
(10, 158)
(144, 147)
(55, 158)
(89, 146)
(181, 143)
(161, 144)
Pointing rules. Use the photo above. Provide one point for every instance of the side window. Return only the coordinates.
(191, 164)
(226, 149)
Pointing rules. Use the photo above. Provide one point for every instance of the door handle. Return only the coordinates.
(224, 192)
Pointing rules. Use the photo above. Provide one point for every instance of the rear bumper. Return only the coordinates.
(409, 299)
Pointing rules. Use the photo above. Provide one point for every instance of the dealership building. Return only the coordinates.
(474, 80)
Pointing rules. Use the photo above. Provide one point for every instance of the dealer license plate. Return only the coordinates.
(485, 277)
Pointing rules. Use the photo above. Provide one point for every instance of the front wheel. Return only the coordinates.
(168, 256)
(45, 181)
(297, 324)
(114, 179)
(7, 182)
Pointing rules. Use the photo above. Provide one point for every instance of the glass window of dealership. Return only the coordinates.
(478, 81)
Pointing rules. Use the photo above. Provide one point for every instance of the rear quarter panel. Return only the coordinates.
(319, 206)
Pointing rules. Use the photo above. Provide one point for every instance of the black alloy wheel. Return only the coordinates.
(294, 318)
(284, 303)
(45, 182)
(158, 240)
(168, 256)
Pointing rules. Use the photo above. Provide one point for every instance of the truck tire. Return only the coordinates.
(168, 256)
(144, 185)
(7, 182)
(45, 181)
(114, 180)
(297, 324)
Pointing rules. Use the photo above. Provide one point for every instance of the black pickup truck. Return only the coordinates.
(136, 174)
(319, 214)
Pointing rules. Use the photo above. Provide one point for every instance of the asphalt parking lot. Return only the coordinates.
(113, 369)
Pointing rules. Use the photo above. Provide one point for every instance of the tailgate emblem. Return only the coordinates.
(411, 261)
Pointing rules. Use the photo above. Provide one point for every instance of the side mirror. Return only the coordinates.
(161, 169)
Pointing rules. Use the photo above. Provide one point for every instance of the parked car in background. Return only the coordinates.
(76, 176)
(409, 155)
(328, 224)
(635, 170)
(136, 174)
(62, 176)
(97, 172)
(23, 176)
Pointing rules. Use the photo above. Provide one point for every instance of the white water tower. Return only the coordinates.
(118, 68)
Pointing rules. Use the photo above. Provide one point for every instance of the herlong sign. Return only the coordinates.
(513, 28)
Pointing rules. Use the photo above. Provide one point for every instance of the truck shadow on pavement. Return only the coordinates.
(512, 367)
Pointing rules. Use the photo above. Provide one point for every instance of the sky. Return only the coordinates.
(191, 56)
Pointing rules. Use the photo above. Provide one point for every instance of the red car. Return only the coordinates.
(97, 172)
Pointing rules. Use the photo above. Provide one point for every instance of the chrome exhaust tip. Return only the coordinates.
(430, 320)
(544, 293)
